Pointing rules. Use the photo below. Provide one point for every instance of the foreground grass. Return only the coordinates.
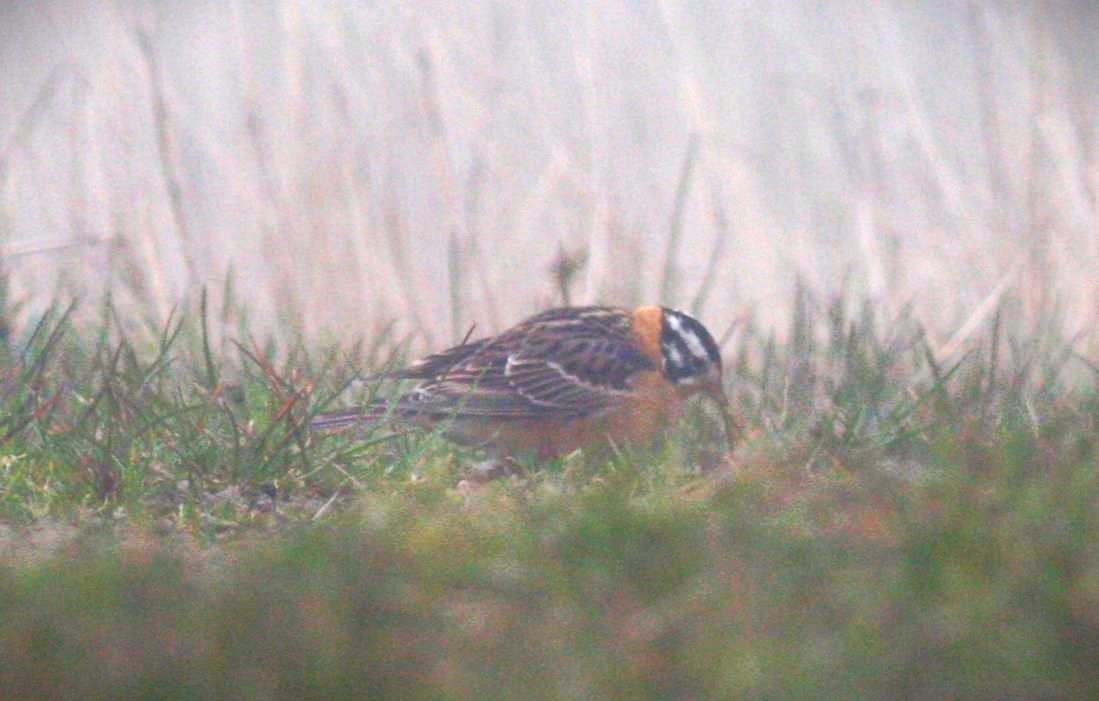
(896, 525)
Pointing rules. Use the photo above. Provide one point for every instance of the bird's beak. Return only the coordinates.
(716, 391)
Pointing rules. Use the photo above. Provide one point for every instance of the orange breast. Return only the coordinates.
(636, 420)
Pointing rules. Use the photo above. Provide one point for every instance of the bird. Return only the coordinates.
(565, 379)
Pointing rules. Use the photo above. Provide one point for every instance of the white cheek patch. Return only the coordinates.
(694, 344)
(673, 356)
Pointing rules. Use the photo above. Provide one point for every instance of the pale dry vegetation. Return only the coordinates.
(352, 164)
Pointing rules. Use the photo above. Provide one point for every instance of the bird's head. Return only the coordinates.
(692, 360)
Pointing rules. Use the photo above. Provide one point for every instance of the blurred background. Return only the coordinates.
(343, 164)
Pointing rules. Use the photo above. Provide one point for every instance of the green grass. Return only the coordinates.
(895, 525)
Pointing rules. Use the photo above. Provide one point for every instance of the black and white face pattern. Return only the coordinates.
(690, 353)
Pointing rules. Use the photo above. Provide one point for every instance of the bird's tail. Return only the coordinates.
(345, 418)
